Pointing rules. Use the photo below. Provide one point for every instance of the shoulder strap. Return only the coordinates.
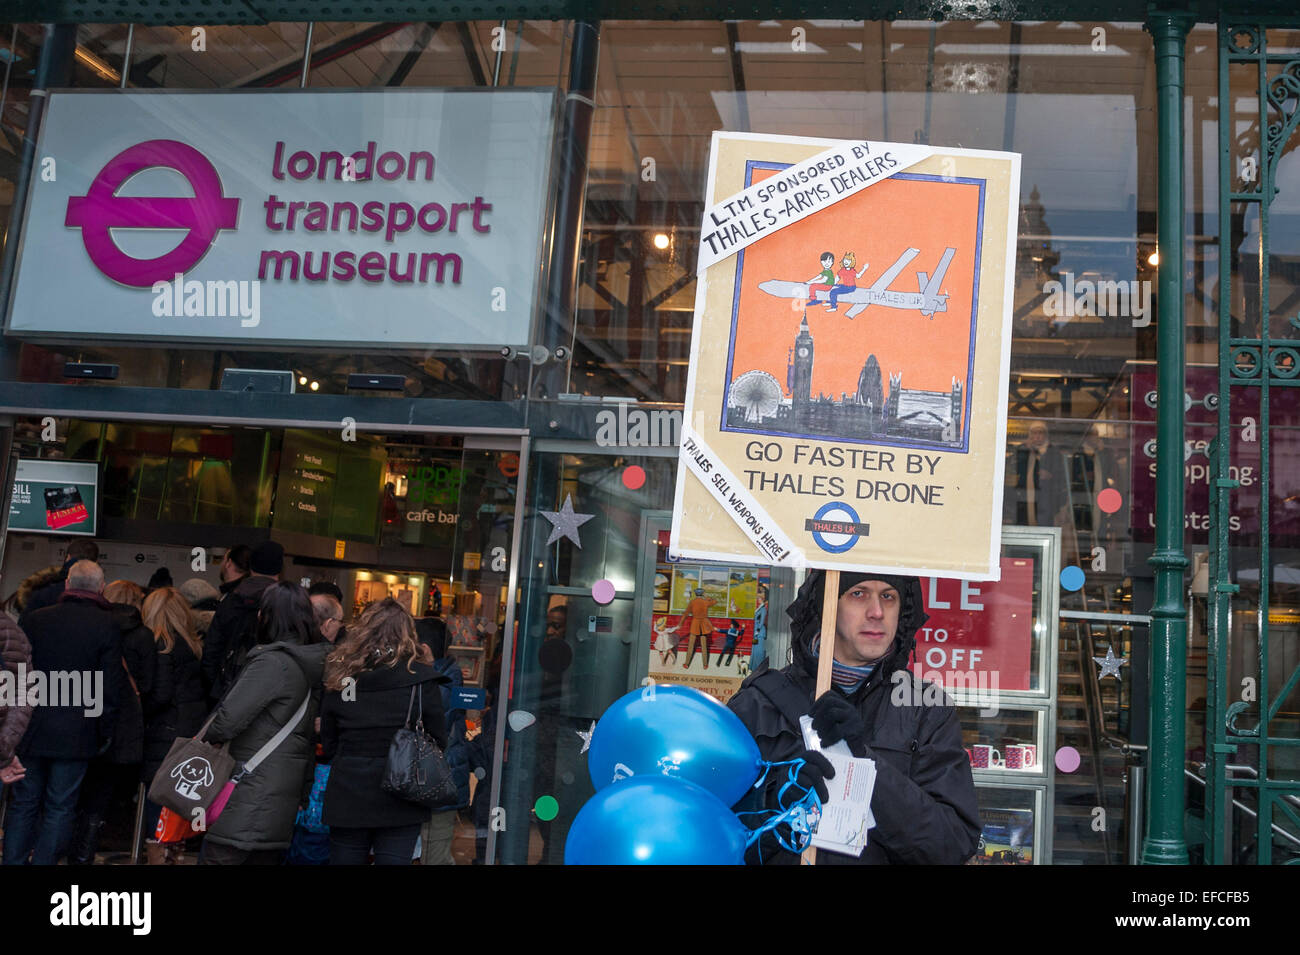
(782, 692)
(129, 677)
(203, 730)
(411, 705)
(282, 734)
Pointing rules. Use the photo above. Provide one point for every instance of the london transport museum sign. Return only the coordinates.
(846, 399)
(361, 218)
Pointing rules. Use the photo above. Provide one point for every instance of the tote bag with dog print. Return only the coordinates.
(192, 774)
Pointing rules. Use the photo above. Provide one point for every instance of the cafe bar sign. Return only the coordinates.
(55, 497)
(383, 217)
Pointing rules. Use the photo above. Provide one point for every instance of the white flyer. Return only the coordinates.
(846, 815)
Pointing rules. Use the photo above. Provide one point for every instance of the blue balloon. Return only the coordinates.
(655, 820)
(674, 731)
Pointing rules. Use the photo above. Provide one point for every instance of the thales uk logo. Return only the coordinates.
(200, 216)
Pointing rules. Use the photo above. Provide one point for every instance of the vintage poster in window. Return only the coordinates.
(715, 634)
(846, 402)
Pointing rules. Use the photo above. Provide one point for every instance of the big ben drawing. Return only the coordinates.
(799, 373)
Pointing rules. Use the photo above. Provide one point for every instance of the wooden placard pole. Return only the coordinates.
(825, 654)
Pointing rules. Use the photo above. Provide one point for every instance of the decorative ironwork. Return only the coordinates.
(1284, 362)
(1284, 98)
(1264, 363)
(1250, 34)
(1245, 362)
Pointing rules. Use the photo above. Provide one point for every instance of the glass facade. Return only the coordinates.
(1076, 100)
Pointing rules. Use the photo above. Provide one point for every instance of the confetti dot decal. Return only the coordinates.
(1109, 500)
(520, 720)
(602, 592)
(546, 808)
(1072, 578)
(634, 477)
(1067, 759)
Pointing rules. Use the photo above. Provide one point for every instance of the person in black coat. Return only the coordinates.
(118, 770)
(81, 548)
(141, 661)
(174, 704)
(924, 798)
(234, 567)
(394, 682)
(74, 722)
(232, 630)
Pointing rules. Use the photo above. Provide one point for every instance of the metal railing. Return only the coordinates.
(1277, 830)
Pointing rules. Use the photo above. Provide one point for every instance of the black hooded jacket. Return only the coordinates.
(924, 800)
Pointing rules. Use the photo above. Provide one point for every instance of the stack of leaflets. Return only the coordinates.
(846, 816)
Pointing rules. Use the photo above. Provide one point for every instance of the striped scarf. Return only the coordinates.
(849, 678)
(846, 677)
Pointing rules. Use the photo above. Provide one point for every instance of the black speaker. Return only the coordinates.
(376, 382)
(89, 369)
(256, 379)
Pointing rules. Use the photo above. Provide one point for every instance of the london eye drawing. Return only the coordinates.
(755, 393)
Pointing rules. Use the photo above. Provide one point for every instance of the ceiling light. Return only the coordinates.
(661, 240)
(1153, 258)
(96, 65)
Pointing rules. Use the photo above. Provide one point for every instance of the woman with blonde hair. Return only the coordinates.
(389, 678)
(176, 704)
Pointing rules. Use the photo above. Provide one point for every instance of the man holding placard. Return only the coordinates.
(923, 801)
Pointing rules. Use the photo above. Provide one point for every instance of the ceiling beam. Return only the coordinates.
(326, 54)
(408, 61)
(471, 54)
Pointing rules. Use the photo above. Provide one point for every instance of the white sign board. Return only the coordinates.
(380, 218)
(847, 391)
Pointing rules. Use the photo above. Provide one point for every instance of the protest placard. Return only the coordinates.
(846, 403)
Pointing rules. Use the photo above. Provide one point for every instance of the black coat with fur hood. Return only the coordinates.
(924, 800)
(15, 652)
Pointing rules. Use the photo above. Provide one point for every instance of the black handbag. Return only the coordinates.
(416, 769)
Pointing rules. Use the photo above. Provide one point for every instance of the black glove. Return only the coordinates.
(812, 775)
(835, 718)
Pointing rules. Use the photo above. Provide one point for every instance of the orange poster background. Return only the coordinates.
(878, 224)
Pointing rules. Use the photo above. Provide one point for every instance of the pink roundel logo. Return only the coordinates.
(200, 216)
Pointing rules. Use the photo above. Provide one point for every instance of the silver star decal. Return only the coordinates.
(586, 737)
(1110, 664)
(566, 522)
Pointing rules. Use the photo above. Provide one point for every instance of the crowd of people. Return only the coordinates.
(305, 704)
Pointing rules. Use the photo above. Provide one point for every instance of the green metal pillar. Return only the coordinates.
(1165, 843)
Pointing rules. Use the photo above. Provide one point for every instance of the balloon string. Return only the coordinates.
(800, 816)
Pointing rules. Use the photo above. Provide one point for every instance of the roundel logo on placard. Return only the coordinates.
(200, 216)
(835, 527)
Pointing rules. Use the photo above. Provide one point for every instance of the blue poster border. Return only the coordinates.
(964, 447)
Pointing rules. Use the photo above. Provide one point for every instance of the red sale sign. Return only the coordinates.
(979, 635)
